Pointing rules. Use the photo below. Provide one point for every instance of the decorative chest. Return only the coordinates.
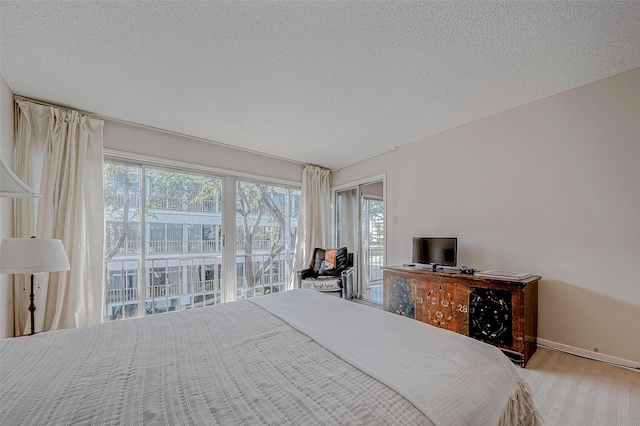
(501, 312)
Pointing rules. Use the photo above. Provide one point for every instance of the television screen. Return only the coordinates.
(435, 250)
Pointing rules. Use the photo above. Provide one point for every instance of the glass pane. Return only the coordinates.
(188, 207)
(195, 237)
(174, 232)
(175, 238)
(266, 223)
(211, 237)
(156, 290)
(157, 238)
(122, 208)
(373, 248)
(372, 241)
(122, 289)
(122, 240)
(180, 267)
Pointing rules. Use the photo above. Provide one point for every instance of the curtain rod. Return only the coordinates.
(49, 104)
(144, 126)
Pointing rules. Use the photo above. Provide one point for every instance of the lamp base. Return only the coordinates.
(32, 309)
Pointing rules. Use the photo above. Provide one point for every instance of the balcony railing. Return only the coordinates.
(256, 244)
(192, 246)
(209, 206)
(200, 246)
(187, 282)
(127, 247)
(269, 274)
(374, 259)
(134, 200)
(171, 284)
(122, 295)
(166, 246)
(206, 206)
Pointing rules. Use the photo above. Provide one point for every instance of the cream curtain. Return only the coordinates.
(59, 154)
(348, 219)
(348, 222)
(314, 216)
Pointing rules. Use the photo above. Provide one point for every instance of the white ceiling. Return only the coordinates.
(327, 83)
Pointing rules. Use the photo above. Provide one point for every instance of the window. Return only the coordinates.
(164, 239)
(266, 220)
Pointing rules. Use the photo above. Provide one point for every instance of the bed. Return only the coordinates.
(276, 359)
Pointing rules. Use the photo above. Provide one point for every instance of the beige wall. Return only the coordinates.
(553, 188)
(150, 142)
(6, 207)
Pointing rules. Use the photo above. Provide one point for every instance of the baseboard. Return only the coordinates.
(596, 356)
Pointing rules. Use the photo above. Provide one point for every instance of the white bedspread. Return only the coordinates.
(231, 364)
(239, 364)
(452, 379)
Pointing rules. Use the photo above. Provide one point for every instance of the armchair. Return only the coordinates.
(330, 271)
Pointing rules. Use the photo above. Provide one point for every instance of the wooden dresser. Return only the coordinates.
(501, 312)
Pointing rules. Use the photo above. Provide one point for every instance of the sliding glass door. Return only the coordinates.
(360, 227)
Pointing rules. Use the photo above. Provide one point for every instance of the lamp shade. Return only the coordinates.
(32, 255)
(11, 186)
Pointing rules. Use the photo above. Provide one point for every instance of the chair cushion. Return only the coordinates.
(327, 268)
(342, 259)
(318, 259)
(322, 267)
(322, 283)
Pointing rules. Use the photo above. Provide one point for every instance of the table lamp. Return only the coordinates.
(31, 256)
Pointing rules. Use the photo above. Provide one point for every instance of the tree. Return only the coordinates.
(122, 200)
(252, 202)
(167, 190)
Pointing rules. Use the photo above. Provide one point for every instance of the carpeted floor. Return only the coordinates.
(569, 390)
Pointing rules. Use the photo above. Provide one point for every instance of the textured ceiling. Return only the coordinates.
(327, 83)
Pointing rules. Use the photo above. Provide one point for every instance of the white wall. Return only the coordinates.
(6, 207)
(553, 188)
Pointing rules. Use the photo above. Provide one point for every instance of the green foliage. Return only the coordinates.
(172, 189)
(121, 192)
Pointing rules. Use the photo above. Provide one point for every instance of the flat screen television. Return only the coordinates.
(437, 251)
